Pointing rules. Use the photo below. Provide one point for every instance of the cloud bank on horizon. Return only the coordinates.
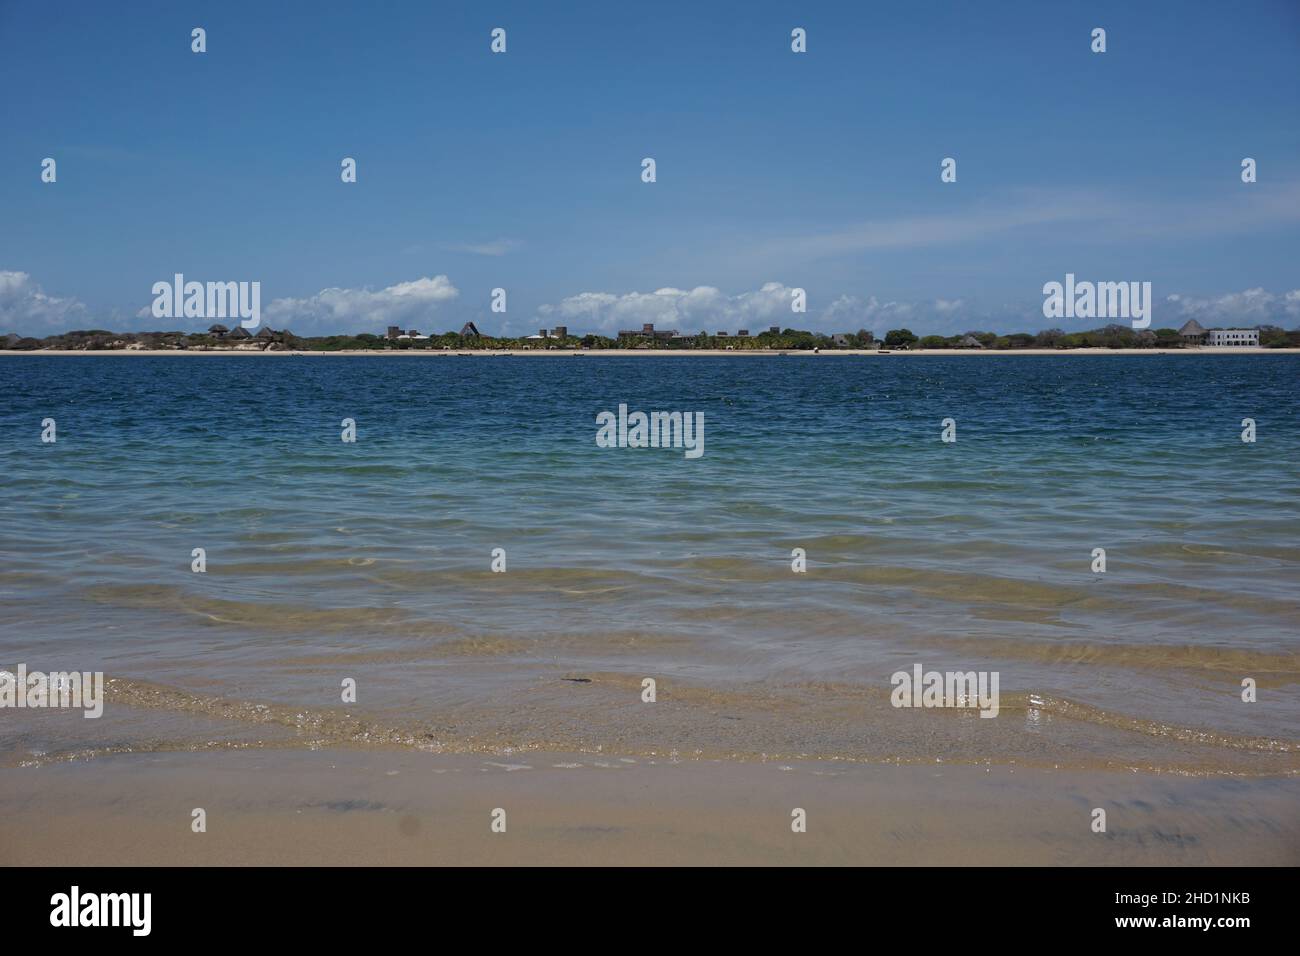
(435, 304)
(332, 311)
(27, 310)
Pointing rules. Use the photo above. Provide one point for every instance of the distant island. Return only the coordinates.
(219, 338)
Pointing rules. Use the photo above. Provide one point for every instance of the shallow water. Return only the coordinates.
(328, 560)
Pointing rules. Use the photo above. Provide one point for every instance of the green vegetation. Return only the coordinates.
(786, 340)
(899, 339)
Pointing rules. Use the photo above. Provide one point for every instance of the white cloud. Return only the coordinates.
(1021, 210)
(1089, 215)
(497, 247)
(952, 316)
(869, 313)
(706, 308)
(27, 310)
(1251, 307)
(360, 310)
(694, 310)
(849, 313)
(424, 303)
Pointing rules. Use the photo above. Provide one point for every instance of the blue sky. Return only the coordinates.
(522, 170)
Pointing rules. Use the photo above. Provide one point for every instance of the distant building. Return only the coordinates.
(265, 333)
(1193, 333)
(774, 329)
(970, 342)
(559, 332)
(841, 338)
(239, 332)
(220, 331)
(469, 331)
(742, 334)
(393, 332)
(648, 331)
(1244, 338)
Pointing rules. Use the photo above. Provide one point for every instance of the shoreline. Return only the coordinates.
(657, 353)
(336, 807)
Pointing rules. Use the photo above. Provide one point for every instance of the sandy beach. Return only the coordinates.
(662, 353)
(344, 807)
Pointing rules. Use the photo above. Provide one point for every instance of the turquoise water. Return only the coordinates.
(371, 560)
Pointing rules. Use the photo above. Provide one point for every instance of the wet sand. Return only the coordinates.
(342, 807)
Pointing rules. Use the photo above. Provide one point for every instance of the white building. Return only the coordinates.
(1238, 337)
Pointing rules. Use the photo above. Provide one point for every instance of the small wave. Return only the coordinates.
(267, 615)
(1276, 668)
(588, 713)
